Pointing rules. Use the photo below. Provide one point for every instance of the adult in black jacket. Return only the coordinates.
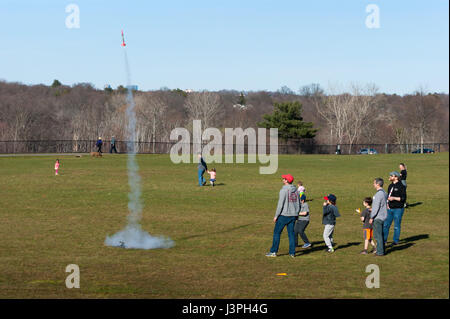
(396, 201)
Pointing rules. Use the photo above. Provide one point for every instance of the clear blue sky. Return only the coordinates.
(242, 45)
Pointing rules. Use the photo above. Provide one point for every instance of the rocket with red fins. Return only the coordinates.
(123, 40)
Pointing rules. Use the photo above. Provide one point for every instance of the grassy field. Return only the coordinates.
(221, 234)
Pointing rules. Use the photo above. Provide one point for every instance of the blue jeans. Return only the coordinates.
(394, 214)
(201, 180)
(378, 235)
(281, 222)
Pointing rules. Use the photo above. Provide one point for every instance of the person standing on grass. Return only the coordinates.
(302, 222)
(330, 212)
(57, 167)
(367, 227)
(378, 214)
(285, 216)
(403, 175)
(201, 168)
(396, 202)
(113, 145)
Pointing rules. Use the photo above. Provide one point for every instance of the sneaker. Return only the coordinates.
(293, 256)
(271, 255)
(374, 251)
(331, 250)
(306, 245)
(363, 252)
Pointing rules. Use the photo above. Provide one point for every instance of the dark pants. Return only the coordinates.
(378, 235)
(281, 222)
(99, 148)
(299, 229)
(113, 147)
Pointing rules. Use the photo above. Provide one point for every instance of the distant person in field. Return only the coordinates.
(378, 214)
(301, 189)
(285, 216)
(201, 168)
(403, 175)
(395, 209)
(330, 213)
(57, 167)
(212, 176)
(113, 145)
(367, 227)
(99, 144)
(302, 222)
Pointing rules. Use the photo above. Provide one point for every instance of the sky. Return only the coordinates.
(243, 45)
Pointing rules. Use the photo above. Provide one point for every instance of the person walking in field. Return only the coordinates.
(212, 176)
(330, 212)
(99, 144)
(287, 211)
(379, 214)
(57, 167)
(113, 145)
(201, 168)
(302, 222)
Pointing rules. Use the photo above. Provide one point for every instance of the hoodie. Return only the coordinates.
(288, 201)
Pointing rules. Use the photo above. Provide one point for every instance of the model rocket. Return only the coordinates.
(123, 40)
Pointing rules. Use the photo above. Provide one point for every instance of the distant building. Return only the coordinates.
(107, 86)
(188, 91)
(133, 87)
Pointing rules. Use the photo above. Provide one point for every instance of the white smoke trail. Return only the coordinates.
(132, 236)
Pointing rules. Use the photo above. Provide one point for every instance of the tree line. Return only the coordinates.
(356, 114)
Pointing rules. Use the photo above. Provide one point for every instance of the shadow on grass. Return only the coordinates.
(320, 246)
(392, 249)
(405, 243)
(217, 232)
(413, 205)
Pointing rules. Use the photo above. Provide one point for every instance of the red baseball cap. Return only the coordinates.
(330, 197)
(288, 177)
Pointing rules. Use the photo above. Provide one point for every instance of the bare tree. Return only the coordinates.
(423, 108)
(359, 107)
(205, 106)
(151, 110)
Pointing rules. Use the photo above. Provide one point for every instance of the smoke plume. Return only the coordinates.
(132, 236)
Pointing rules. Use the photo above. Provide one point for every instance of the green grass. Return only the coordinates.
(221, 234)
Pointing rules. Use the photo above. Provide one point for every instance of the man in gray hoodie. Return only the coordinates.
(287, 212)
(379, 214)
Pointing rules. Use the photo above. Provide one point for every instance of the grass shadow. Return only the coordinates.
(414, 204)
(217, 232)
(405, 243)
(347, 245)
(392, 249)
(414, 238)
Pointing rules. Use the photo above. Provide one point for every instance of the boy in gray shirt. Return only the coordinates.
(302, 222)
